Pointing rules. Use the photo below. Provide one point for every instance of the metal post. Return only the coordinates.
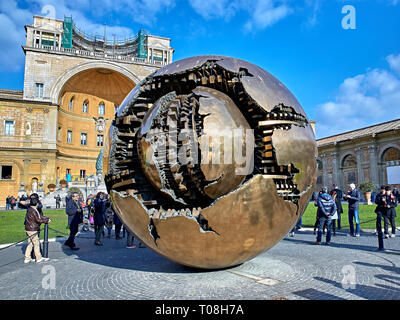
(46, 241)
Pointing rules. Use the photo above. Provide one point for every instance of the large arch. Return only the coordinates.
(386, 148)
(105, 67)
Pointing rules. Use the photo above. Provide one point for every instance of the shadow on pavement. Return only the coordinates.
(366, 292)
(114, 254)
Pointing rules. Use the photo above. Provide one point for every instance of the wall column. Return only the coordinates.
(360, 171)
(27, 165)
(373, 165)
(324, 172)
(335, 167)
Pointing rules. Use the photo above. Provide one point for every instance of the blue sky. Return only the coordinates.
(344, 79)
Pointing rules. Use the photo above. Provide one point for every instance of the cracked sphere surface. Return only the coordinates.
(210, 161)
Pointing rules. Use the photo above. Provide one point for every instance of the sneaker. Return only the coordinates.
(291, 234)
(130, 247)
(327, 243)
(357, 235)
(28, 260)
(386, 236)
(393, 235)
(317, 243)
(42, 260)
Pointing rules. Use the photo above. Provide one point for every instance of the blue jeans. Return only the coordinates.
(299, 223)
(353, 214)
(321, 223)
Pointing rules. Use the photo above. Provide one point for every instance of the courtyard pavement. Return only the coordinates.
(349, 268)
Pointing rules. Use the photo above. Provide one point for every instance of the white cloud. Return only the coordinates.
(394, 62)
(361, 101)
(262, 13)
(13, 19)
(266, 14)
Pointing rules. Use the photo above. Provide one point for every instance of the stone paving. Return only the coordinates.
(349, 268)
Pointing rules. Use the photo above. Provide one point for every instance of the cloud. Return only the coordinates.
(394, 62)
(266, 14)
(262, 13)
(363, 100)
(13, 19)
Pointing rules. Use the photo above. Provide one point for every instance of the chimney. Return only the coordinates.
(312, 123)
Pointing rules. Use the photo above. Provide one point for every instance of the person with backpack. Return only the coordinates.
(326, 209)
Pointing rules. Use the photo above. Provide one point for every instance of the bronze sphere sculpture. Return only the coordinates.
(210, 161)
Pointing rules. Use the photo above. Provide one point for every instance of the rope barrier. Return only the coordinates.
(15, 243)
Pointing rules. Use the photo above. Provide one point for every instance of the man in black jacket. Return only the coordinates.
(380, 201)
(326, 209)
(353, 197)
(75, 217)
(338, 201)
(390, 216)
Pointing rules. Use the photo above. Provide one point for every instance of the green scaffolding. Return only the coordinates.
(141, 51)
(67, 35)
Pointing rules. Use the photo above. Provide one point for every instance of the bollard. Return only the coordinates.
(46, 241)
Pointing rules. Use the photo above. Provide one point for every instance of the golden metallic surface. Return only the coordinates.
(223, 118)
(204, 214)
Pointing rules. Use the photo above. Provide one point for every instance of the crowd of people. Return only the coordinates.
(101, 214)
(329, 211)
(99, 211)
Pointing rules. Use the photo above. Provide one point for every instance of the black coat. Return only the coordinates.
(338, 200)
(392, 203)
(354, 199)
(326, 205)
(99, 216)
(74, 212)
(380, 201)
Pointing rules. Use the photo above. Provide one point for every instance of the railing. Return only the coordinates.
(100, 55)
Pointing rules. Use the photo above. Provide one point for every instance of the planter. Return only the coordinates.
(367, 196)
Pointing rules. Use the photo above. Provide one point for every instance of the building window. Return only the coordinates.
(6, 172)
(83, 139)
(71, 104)
(59, 134)
(83, 174)
(9, 128)
(100, 140)
(69, 136)
(101, 108)
(39, 90)
(85, 107)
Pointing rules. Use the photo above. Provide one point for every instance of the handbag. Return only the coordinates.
(335, 216)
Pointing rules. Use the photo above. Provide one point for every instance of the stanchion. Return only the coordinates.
(46, 241)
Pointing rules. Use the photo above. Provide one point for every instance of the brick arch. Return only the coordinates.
(57, 88)
(385, 148)
(345, 155)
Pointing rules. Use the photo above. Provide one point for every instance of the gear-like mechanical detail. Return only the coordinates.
(210, 161)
